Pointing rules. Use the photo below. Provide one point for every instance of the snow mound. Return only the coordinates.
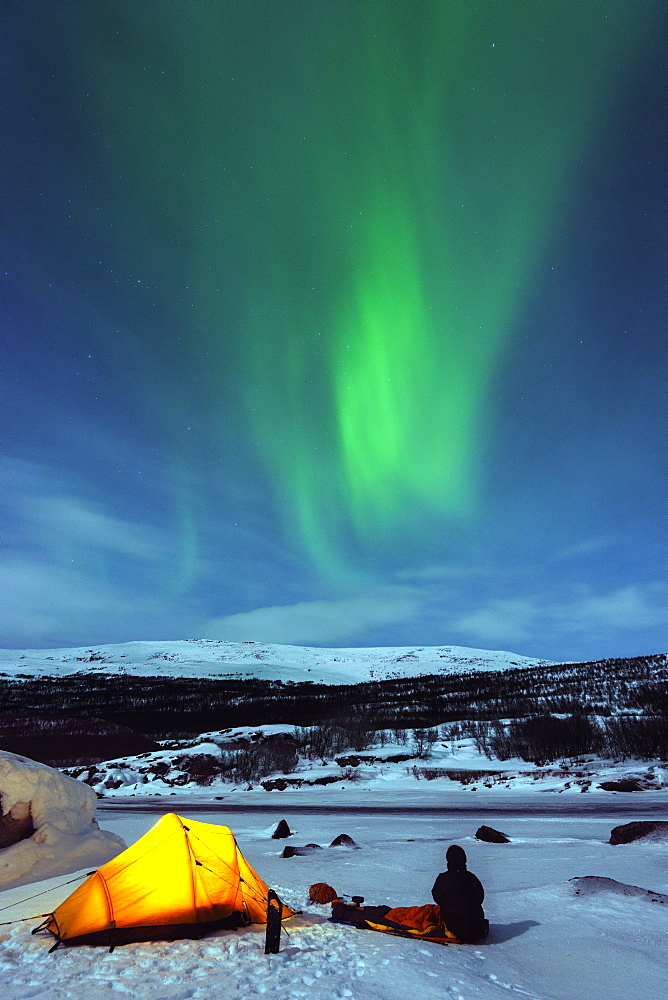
(54, 817)
(594, 885)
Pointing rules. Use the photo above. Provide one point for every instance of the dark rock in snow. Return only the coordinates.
(281, 831)
(639, 830)
(623, 785)
(642, 781)
(343, 840)
(279, 784)
(491, 836)
(291, 852)
(590, 885)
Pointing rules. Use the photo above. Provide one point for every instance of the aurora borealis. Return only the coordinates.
(337, 322)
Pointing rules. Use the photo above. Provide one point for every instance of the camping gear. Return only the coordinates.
(320, 892)
(181, 879)
(272, 941)
(421, 922)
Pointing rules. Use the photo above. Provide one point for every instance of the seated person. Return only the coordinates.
(459, 895)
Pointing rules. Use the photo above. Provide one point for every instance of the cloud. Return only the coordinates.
(453, 571)
(46, 515)
(584, 548)
(499, 621)
(634, 607)
(79, 523)
(318, 622)
(46, 605)
(581, 614)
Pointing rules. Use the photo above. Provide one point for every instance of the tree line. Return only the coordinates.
(163, 708)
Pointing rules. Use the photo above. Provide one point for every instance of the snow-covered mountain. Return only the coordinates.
(210, 658)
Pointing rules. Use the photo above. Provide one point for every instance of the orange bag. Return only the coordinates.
(320, 892)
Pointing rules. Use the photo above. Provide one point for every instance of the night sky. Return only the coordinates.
(335, 322)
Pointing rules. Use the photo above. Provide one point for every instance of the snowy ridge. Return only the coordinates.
(210, 658)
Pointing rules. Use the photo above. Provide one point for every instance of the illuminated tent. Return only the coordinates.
(181, 879)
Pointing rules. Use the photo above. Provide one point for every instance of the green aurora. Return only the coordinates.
(320, 301)
(407, 239)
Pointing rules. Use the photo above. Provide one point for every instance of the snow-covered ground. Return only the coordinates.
(212, 658)
(551, 938)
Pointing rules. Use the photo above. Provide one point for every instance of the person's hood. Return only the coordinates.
(456, 858)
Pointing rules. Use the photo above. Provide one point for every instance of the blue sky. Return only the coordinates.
(335, 325)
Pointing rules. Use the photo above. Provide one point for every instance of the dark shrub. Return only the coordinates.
(630, 736)
(545, 738)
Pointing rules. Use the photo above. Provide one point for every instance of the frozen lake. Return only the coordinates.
(550, 939)
(403, 846)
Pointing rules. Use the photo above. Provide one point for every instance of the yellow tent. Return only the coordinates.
(181, 879)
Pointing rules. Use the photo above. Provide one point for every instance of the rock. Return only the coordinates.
(589, 885)
(282, 831)
(623, 785)
(343, 840)
(491, 836)
(278, 784)
(639, 830)
(351, 761)
(292, 852)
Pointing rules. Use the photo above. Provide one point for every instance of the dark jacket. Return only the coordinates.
(459, 895)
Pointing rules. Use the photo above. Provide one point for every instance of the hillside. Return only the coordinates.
(212, 659)
(165, 706)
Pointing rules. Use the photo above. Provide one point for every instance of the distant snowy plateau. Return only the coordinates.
(207, 658)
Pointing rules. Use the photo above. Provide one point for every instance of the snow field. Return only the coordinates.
(317, 960)
(217, 658)
(546, 942)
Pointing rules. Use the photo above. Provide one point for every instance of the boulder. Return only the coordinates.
(491, 836)
(282, 831)
(589, 885)
(622, 785)
(292, 852)
(639, 830)
(343, 840)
